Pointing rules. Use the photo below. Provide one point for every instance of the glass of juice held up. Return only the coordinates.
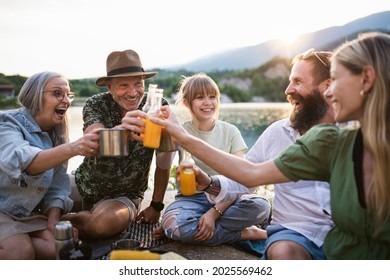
(148, 104)
(152, 133)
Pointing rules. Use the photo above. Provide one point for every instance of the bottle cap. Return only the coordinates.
(63, 230)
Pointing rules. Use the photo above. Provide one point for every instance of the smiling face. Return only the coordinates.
(344, 93)
(54, 109)
(203, 106)
(127, 92)
(306, 97)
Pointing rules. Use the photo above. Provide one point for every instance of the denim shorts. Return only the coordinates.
(278, 233)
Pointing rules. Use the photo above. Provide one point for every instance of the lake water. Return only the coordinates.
(250, 118)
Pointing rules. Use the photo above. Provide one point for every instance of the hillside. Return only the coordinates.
(250, 74)
(254, 56)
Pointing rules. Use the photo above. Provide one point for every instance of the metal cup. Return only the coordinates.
(126, 244)
(166, 143)
(113, 142)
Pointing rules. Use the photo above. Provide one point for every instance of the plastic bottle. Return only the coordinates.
(187, 175)
(152, 133)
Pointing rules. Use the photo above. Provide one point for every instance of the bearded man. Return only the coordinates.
(301, 210)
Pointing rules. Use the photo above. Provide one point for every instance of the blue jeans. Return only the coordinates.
(181, 218)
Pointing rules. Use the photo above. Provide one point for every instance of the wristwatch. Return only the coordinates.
(158, 206)
(209, 185)
(214, 187)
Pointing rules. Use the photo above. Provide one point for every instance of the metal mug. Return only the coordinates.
(166, 142)
(113, 142)
(126, 244)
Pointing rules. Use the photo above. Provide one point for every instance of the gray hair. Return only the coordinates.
(31, 97)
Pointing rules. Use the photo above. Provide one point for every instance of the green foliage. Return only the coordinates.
(16, 80)
(8, 103)
(172, 177)
(266, 191)
(236, 94)
(263, 85)
(171, 182)
(84, 87)
(270, 89)
(167, 80)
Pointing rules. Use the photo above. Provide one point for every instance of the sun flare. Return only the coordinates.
(289, 39)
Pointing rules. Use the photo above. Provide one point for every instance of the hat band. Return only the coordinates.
(125, 70)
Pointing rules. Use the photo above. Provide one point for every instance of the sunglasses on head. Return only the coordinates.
(311, 52)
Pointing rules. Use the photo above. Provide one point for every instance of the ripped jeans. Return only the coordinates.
(181, 218)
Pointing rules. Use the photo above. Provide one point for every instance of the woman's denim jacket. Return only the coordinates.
(21, 139)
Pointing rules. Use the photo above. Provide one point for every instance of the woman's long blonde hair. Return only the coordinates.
(373, 49)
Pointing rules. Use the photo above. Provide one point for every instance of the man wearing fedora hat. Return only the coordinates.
(112, 188)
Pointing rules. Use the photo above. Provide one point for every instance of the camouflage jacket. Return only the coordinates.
(100, 178)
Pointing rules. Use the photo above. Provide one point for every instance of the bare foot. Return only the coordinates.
(253, 233)
(158, 233)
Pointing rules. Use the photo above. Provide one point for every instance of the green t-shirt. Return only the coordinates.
(325, 153)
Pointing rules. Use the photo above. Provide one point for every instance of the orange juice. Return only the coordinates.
(187, 181)
(142, 135)
(152, 134)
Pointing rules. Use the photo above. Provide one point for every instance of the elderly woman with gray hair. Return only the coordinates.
(34, 150)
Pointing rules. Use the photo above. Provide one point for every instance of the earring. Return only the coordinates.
(362, 93)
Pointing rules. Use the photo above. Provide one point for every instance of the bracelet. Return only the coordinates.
(219, 211)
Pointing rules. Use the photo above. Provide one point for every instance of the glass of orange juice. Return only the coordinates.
(152, 133)
(187, 175)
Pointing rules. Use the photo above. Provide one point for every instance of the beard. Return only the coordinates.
(313, 109)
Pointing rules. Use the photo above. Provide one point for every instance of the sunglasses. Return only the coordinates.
(311, 52)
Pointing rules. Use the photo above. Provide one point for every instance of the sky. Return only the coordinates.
(74, 37)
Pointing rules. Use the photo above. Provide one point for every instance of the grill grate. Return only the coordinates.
(139, 231)
(143, 233)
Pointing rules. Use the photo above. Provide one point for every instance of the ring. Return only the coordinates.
(91, 151)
